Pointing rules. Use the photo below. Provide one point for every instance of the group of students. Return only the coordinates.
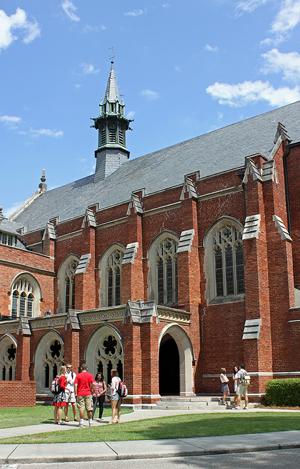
(85, 391)
(241, 381)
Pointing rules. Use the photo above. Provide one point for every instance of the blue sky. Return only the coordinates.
(184, 68)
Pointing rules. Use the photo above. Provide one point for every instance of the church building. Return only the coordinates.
(167, 267)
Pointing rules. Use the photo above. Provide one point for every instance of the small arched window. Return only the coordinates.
(25, 297)
(70, 285)
(163, 271)
(224, 261)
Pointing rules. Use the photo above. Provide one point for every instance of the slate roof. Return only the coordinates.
(211, 153)
(10, 227)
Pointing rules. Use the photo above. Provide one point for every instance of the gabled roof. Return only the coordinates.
(211, 153)
(10, 227)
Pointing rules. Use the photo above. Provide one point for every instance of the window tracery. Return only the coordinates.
(25, 298)
(8, 354)
(114, 266)
(166, 265)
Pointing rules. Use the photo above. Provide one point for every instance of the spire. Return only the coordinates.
(112, 90)
(112, 126)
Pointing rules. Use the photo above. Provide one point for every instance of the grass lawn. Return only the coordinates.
(23, 416)
(181, 426)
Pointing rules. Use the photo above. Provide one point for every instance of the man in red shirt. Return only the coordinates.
(83, 393)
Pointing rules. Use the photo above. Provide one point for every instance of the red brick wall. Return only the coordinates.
(17, 393)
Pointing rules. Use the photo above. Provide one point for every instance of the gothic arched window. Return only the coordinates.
(25, 297)
(163, 271)
(224, 261)
(67, 284)
(8, 356)
(114, 265)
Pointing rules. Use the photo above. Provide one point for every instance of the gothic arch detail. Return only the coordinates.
(8, 358)
(49, 356)
(105, 351)
(111, 276)
(67, 284)
(162, 274)
(25, 297)
(224, 263)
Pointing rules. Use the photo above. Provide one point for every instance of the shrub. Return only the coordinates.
(283, 392)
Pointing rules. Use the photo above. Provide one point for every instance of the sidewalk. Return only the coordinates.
(141, 449)
(146, 449)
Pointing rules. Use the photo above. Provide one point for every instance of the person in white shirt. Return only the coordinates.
(70, 394)
(224, 385)
(115, 398)
(242, 386)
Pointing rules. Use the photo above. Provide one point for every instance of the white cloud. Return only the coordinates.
(247, 6)
(288, 17)
(46, 133)
(248, 92)
(151, 95)
(70, 10)
(13, 208)
(17, 21)
(134, 13)
(286, 63)
(10, 120)
(89, 69)
(94, 29)
(210, 48)
(130, 115)
(177, 69)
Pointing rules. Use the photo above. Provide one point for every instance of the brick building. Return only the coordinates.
(166, 267)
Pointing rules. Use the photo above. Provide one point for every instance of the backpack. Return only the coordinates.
(122, 389)
(55, 387)
(245, 379)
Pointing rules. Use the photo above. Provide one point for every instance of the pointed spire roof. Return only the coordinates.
(112, 91)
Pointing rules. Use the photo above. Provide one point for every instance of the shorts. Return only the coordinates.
(85, 402)
(70, 396)
(224, 387)
(115, 397)
(242, 390)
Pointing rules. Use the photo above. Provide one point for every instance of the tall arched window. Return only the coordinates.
(8, 356)
(114, 262)
(224, 260)
(25, 297)
(67, 284)
(163, 270)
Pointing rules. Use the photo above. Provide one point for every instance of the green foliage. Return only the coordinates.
(283, 392)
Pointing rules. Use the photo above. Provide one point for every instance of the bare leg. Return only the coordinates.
(118, 410)
(114, 411)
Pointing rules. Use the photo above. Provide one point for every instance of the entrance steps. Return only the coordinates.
(44, 399)
(191, 403)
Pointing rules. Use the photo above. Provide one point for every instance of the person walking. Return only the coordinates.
(115, 398)
(59, 400)
(234, 372)
(98, 393)
(70, 392)
(83, 393)
(243, 381)
(224, 385)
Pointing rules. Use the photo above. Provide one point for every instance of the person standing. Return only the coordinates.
(115, 398)
(83, 393)
(234, 372)
(70, 392)
(99, 391)
(59, 400)
(242, 379)
(224, 385)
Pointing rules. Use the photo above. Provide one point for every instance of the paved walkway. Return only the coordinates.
(100, 451)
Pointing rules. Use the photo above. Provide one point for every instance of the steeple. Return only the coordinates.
(112, 126)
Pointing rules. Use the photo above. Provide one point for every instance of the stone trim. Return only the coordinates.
(9, 326)
(284, 234)
(135, 204)
(70, 235)
(269, 172)
(50, 231)
(48, 322)
(130, 253)
(165, 313)
(89, 219)
(221, 193)
(83, 264)
(162, 208)
(188, 188)
(252, 169)
(108, 224)
(73, 320)
(185, 241)
(141, 312)
(28, 268)
(251, 329)
(251, 227)
(115, 313)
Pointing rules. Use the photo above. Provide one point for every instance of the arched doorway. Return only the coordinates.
(169, 381)
(104, 352)
(175, 362)
(49, 356)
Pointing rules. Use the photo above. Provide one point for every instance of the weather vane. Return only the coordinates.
(112, 57)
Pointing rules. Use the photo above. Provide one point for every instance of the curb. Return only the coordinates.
(156, 455)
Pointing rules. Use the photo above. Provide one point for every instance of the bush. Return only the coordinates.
(283, 392)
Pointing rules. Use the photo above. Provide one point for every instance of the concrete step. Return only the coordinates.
(190, 403)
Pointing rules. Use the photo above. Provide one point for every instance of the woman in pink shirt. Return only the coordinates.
(98, 393)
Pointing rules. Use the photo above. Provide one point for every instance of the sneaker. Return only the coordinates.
(90, 423)
(80, 423)
(66, 419)
(245, 408)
